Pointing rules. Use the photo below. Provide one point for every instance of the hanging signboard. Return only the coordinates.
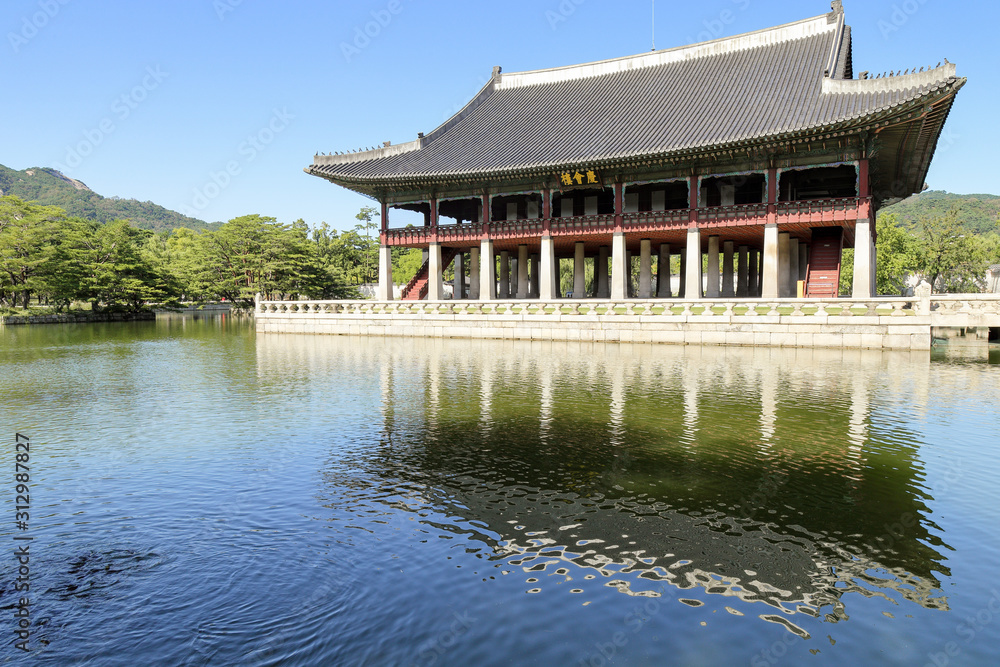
(580, 178)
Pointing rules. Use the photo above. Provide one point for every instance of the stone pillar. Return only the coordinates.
(579, 272)
(645, 269)
(756, 274)
(384, 273)
(549, 274)
(783, 272)
(629, 285)
(769, 268)
(863, 263)
(435, 281)
(601, 273)
(533, 277)
(619, 275)
(474, 286)
(682, 277)
(512, 288)
(663, 287)
(504, 289)
(728, 287)
(693, 278)
(522, 271)
(743, 273)
(712, 288)
(487, 271)
(459, 292)
(793, 267)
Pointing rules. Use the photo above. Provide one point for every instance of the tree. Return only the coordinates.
(896, 256)
(120, 274)
(949, 257)
(29, 239)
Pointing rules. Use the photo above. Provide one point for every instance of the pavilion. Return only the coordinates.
(756, 158)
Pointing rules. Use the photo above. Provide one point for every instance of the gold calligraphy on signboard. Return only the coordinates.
(578, 178)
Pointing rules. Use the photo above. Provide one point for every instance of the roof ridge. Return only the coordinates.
(722, 46)
(887, 84)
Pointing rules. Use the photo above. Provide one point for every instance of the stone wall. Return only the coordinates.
(75, 318)
(858, 332)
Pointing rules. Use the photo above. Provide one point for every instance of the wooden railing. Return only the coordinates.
(815, 212)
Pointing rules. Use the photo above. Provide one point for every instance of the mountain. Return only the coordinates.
(52, 188)
(979, 213)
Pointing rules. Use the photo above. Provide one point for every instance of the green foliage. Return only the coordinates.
(57, 259)
(976, 213)
(50, 187)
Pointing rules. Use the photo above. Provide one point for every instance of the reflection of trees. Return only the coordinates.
(657, 467)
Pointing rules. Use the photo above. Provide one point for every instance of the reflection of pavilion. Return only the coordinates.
(749, 473)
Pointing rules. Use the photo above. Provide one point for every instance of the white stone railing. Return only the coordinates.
(940, 308)
(560, 308)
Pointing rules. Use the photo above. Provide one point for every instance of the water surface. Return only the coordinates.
(203, 495)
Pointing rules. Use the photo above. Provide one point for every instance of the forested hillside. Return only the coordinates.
(51, 188)
(976, 213)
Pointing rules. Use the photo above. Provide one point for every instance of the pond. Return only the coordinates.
(204, 495)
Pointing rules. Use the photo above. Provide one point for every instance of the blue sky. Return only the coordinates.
(213, 107)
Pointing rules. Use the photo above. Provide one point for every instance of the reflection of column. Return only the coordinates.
(504, 291)
(486, 394)
(601, 273)
(663, 286)
(768, 404)
(728, 290)
(474, 285)
(579, 272)
(712, 288)
(545, 401)
(617, 417)
(645, 269)
(690, 385)
(388, 397)
(857, 432)
(433, 387)
(522, 271)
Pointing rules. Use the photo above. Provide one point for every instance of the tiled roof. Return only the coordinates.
(750, 88)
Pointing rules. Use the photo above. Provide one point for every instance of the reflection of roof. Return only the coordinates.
(774, 84)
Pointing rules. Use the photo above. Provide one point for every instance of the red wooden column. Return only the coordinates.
(619, 207)
(434, 220)
(772, 195)
(546, 211)
(383, 236)
(693, 199)
(486, 215)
